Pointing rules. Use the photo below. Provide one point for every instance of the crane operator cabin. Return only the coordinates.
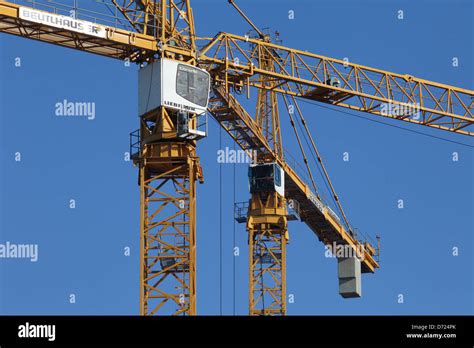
(178, 86)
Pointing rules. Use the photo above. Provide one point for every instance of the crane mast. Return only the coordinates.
(168, 170)
(267, 223)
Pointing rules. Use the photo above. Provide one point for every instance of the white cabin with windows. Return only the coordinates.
(173, 84)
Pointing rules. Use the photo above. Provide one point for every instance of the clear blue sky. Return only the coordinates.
(81, 250)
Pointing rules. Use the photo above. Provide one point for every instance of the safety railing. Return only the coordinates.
(135, 144)
(102, 12)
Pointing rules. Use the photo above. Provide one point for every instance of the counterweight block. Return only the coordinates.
(350, 280)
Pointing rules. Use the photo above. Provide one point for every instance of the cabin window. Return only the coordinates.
(192, 84)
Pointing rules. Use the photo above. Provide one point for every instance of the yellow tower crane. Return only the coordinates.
(178, 83)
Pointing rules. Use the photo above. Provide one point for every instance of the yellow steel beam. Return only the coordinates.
(169, 20)
(267, 226)
(168, 173)
(337, 82)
